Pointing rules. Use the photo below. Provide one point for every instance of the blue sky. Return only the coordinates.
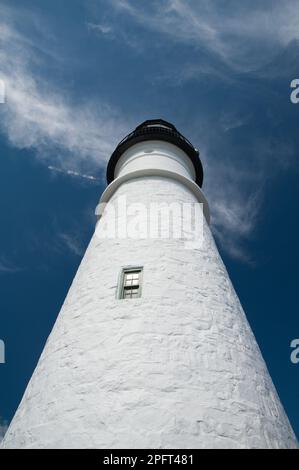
(79, 75)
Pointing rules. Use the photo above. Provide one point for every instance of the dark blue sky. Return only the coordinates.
(79, 75)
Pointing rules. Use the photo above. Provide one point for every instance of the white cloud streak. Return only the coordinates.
(72, 243)
(72, 137)
(37, 116)
(72, 173)
(100, 28)
(241, 36)
(237, 38)
(7, 267)
(235, 197)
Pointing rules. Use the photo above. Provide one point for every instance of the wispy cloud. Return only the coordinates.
(38, 115)
(241, 36)
(72, 243)
(112, 31)
(8, 267)
(227, 41)
(76, 138)
(100, 28)
(72, 173)
(232, 120)
(234, 221)
(235, 196)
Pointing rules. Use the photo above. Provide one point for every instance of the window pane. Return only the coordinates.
(130, 284)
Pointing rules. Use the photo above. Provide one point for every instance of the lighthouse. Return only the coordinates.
(151, 348)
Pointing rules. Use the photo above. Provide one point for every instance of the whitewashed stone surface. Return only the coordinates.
(177, 368)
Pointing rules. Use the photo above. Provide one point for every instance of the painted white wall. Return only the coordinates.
(154, 158)
(155, 154)
(177, 368)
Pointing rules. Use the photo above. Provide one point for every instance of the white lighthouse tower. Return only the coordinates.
(151, 348)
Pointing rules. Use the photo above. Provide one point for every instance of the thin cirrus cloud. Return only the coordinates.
(8, 267)
(242, 37)
(76, 138)
(235, 196)
(36, 116)
(72, 243)
(72, 173)
(244, 40)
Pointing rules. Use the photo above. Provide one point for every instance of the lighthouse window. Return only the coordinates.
(130, 283)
